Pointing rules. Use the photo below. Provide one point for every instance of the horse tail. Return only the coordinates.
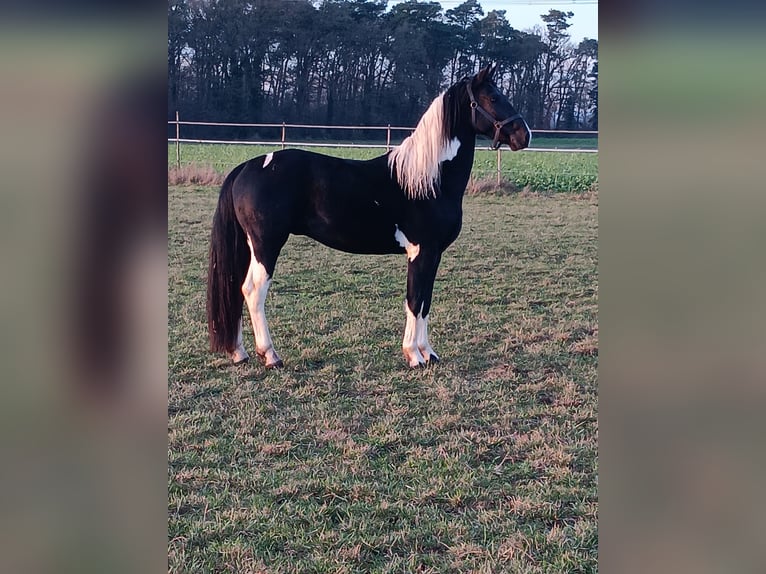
(229, 261)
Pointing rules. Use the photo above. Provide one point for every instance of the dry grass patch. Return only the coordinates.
(348, 461)
(490, 186)
(587, 346)
(194, 174)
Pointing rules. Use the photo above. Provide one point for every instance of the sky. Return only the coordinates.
(525, 14)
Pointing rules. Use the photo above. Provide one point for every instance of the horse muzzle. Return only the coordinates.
(516, 138)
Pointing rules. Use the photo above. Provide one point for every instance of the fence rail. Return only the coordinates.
(336, 127)
(178, 140)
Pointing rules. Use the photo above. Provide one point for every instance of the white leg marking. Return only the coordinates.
(411, 249)
(449, 152)
(410, 342)
(422, 336)
(240, 354)
(255, 288)
(269, 157)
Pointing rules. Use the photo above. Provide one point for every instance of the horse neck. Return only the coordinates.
(456, 172)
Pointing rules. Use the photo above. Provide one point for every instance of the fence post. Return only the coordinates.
(283, 135)
(388, 138)
(178, 142)
(498, 167)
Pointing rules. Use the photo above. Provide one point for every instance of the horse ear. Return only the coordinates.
(491, 73)
(484, 74)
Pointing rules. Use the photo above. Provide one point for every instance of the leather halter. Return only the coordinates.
(494, 121)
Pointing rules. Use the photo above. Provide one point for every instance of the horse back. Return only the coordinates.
(345, 204)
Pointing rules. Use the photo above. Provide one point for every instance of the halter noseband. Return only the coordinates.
(494, 121)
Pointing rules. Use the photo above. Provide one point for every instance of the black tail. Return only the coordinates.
(229, 261)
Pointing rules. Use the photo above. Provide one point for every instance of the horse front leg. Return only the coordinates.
(421, 273)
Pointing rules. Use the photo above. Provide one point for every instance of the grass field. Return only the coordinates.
(347, 461)
(537, 171)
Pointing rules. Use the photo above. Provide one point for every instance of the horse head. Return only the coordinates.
(492, 113)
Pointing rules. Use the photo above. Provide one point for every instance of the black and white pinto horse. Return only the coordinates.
(406, 201)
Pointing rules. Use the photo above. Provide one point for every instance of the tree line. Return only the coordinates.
(359, 62)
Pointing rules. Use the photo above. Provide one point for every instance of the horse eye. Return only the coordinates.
(493, 99)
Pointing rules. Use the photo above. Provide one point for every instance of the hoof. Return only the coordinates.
(241, 361)
(433, 359)
(414, 358)
(270, 359)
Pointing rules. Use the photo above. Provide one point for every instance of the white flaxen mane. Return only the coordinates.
(417, 161)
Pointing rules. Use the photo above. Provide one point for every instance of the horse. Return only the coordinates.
(407, 201)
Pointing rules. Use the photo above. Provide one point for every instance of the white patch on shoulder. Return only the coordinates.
(450, 151)
(411, 249)
(269, 157)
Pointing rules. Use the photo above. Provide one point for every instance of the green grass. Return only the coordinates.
(537, 171)
(347, 460)
(547, 142)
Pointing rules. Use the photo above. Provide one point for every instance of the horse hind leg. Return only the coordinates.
(255, 288)
(240, 356)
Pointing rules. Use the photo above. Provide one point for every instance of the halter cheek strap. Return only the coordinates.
(495, 122)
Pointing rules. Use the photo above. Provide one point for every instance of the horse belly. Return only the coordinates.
(353, 229)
